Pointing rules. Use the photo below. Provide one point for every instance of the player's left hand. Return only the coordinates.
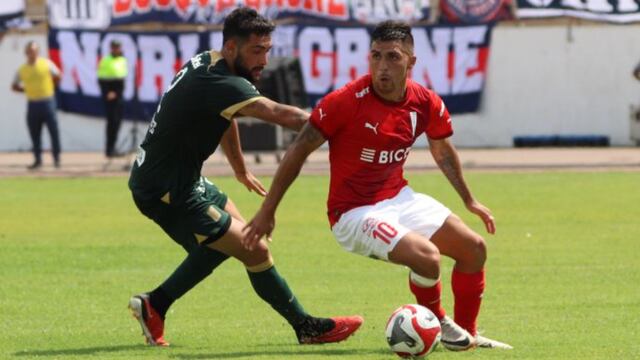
(262, 224)
(252, 183)
(484, 213)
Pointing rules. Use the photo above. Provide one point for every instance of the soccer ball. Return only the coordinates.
(413, 331)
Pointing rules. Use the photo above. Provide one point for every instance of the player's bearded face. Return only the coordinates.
(389, 64)
(251, 57)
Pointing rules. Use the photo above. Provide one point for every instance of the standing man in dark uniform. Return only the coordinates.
(112, 72)
(196, 113)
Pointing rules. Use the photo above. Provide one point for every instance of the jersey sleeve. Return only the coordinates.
(439, 123)
(234, 93)
(329, 115)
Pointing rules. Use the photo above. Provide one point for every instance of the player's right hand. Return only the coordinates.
(251, 183)
(485, 214)
(262, 224)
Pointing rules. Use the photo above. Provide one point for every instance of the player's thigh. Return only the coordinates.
(231, 208)
(421, 213)
(213, 194)
(170, 218)
(220, 199)
(198, 218)
(457, 240)
(418, 253)
(230, 244)
(370, 231)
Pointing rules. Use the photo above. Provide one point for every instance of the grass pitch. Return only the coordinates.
(563, 273)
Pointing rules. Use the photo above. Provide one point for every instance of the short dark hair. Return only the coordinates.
(244, 21)
(31, 43)
(392, 30)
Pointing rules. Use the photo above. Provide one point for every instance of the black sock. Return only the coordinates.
(199, 264)
(272, 288)
(160, 301)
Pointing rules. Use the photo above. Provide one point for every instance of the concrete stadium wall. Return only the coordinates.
(542, 80)
(552, 80)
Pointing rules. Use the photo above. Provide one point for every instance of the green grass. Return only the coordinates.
(563, 273)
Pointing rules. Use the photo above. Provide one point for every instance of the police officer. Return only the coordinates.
(112, 72)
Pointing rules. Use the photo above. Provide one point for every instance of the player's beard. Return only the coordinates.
(243, 71)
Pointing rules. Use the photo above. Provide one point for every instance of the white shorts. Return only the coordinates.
(374, 230)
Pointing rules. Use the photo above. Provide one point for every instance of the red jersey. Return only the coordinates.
(370, 139)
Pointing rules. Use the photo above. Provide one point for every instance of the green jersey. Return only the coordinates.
(191, 118)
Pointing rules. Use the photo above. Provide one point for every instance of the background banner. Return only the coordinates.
(452, 60)
(475, 11)
(100, 14)
(10, 10)
(617, 11)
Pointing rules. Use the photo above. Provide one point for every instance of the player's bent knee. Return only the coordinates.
(419, 254)
(428, 265)
(265, 265)
(426, 262)
(479, 250)
(474, 256)
(258, 259)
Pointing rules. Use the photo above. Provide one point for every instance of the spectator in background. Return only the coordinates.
(37, 79)
(636, 72)
(112, 72)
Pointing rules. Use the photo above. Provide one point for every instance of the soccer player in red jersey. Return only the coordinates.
(371, 124)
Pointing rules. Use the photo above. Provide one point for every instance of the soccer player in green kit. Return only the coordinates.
(195, 115)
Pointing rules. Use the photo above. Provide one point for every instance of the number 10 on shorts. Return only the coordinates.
(384, 232)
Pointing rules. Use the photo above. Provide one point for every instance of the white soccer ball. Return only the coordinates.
(413, 331)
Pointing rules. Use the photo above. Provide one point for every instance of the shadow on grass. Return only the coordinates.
(355, 353)
(343, 353)
(81, 351)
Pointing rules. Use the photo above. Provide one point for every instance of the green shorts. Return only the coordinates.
(193, 218)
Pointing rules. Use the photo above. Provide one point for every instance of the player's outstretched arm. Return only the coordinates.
(446, 156)
(263, 222)
(230, 143)
(284, 115)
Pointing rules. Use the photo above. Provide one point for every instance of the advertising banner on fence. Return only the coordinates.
(617, 11)
(10, 10)
(100, 14)
(451, 60)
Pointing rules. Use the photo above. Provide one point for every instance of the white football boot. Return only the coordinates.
(454, 337)
(483, 342)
